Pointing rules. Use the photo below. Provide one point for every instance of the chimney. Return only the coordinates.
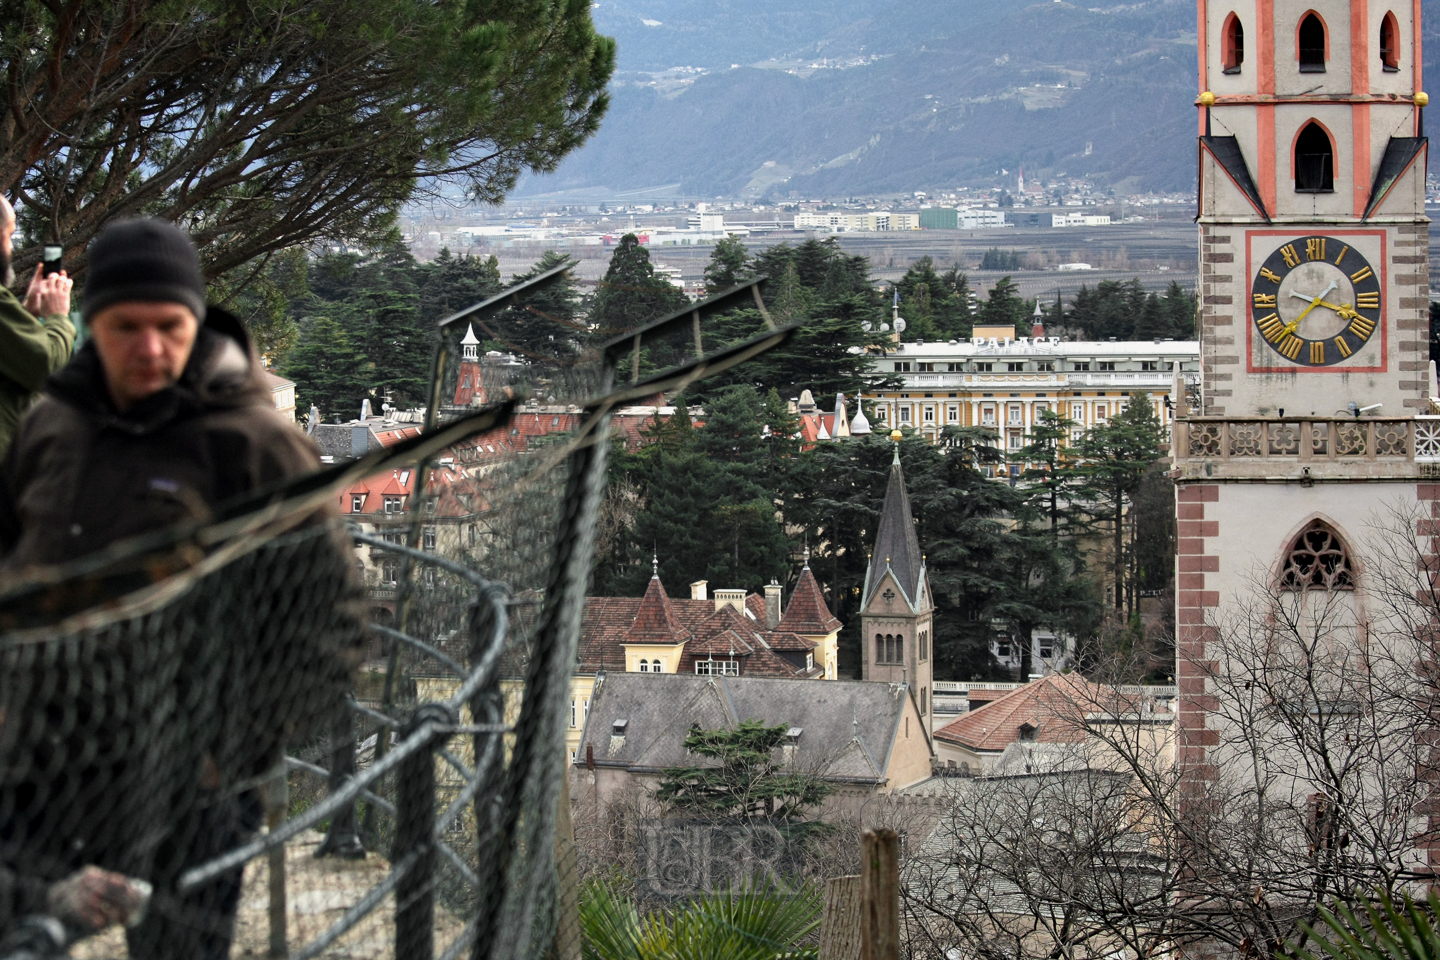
(365, 412)
(698, 590)
(772, 604)
(359, 441)
(732, 598)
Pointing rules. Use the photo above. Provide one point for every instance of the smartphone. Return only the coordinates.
(52, 255)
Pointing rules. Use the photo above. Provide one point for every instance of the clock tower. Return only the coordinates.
(1311, 415)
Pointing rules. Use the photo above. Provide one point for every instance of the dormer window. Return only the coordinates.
(357, 503)
(1311, 38)
(1027, 732)
(1390, 44)
(1314, 161)
(617, 729)
(1232, 45)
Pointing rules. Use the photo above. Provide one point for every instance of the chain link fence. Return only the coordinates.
(319, 735)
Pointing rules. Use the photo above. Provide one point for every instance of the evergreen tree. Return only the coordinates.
(549, 325)
(631, 295)
(1153, 322)
(729, 265)
(1004, 307)
(384, 320)
(1180, 307)
(326, 369)
(1115, 458)
(750, 781)
(264, 303)
(450, 284)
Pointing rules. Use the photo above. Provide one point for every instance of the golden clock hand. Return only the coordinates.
(1293, 324)
(1345, 310)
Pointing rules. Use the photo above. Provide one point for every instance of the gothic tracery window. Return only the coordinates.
(1317, 558)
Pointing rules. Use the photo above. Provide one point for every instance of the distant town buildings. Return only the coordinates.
(880, 220)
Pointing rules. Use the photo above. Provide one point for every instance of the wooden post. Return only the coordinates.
(567, 901)
(277, 803)
(840, 923)
(880, 895)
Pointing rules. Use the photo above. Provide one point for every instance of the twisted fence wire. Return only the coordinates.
(321, 739)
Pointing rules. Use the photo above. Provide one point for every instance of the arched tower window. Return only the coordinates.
(1232, 44)
(880, 648)
(1312, 44)
(1390, 44)
(1314, 160)
(1317, 559)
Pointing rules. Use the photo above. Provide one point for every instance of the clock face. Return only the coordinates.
(1316, 301)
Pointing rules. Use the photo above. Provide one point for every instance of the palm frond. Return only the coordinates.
(1383, 929)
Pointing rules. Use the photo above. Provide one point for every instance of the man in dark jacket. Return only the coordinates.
(162, 416)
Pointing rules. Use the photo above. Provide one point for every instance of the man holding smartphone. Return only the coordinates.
(35, 337)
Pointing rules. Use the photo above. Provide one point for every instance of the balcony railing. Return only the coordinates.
(1040, 378)
(1316, 438)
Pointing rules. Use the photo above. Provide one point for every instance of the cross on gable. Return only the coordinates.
(888, 595)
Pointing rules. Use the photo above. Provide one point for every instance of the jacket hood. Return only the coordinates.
(223, 371)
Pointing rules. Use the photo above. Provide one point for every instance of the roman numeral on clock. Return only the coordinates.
(1290, 347)
(1368, 301)
(1270, 327)
(1362, 327)
(1343, 347)
(1315, 248)
(1364, 273)
(1292, 257)
(1269, 274)
(1317, 351)
(1265, 299)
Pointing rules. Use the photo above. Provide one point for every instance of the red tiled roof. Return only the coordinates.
(807, 611)
(655, 620)
(783, 640)
(1044, 705)
(607, 622)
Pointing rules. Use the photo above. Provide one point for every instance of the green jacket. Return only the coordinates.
(30, 350)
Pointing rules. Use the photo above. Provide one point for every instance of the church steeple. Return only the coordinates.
(897, 548)
(896, 613)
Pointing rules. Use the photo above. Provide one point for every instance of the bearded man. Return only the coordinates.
(35, 338)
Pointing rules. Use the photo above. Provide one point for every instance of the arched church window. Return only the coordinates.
(1312, 44)
(1314, 160)
(880, 648)
(1319, 559)
(1232, 44)
(1390, 43)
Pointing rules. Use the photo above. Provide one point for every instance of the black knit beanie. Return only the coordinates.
(145, 259)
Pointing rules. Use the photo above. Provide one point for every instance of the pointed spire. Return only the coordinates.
(895, 538)
(860, 425)
(655, 619)
(470, 345)
(654, 565)
(807, 613)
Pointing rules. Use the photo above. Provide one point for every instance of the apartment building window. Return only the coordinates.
(1100, 411)
(1002, 650)
(882, 413)
(1017, 413)
(984, 367)
(904, 414)
(1081, 366)
(902, 366)
(954, 367)
(1015, 367)
(952, 413)
(1046, 366)
(1149, 366)
(929, 414)
(1047, 652)
(987, 415)
(810, 661)
(357, 503)
(392, 504)
(1015, 438)
(1041, 408)
(1107, 366)
(925, 367)
(429, 538)
(574, 714)
(389, 570)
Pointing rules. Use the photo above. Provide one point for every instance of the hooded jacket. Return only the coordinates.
(81, 475)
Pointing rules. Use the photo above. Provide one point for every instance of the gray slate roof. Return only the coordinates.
(337, 440)
(895, 542)
(848, 727)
